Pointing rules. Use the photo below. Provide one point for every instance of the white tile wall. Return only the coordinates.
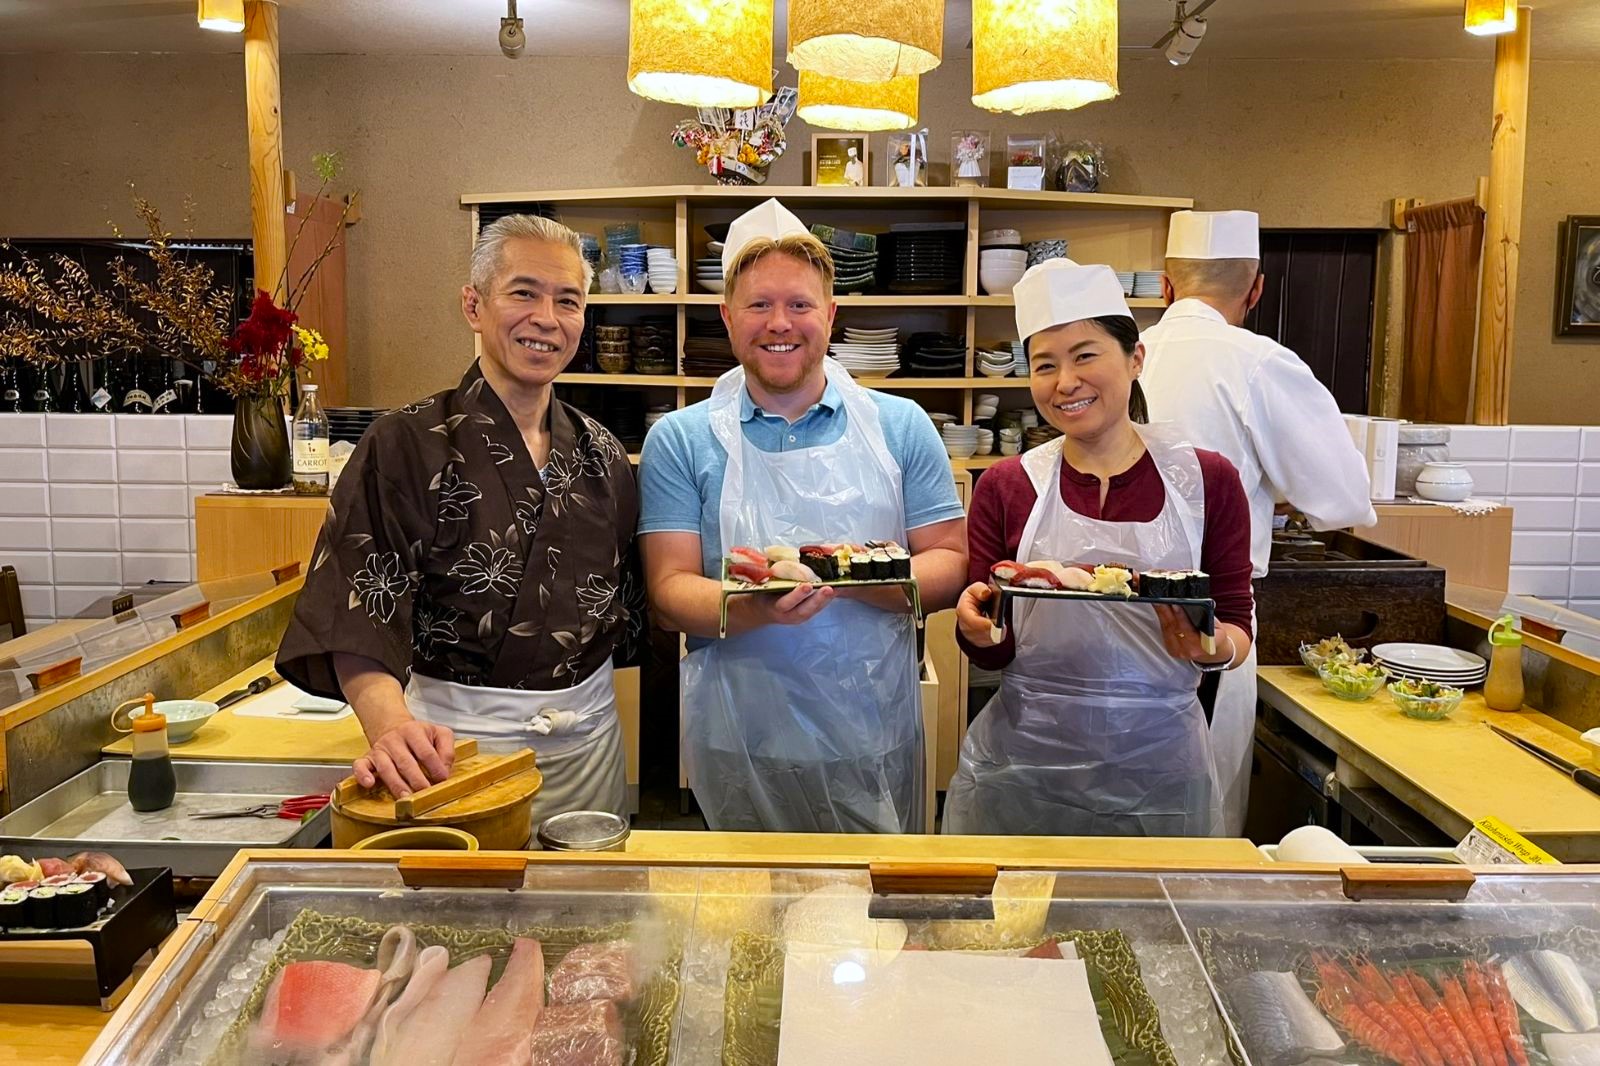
(90, 504)
(1550, 477)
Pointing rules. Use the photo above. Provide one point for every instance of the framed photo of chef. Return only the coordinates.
(839, 159)
(1578, 277)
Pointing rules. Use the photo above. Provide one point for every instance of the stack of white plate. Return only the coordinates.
(872, 353)
(999, 269)
(960, 441)
(1021, 356)
(996, 364)
(855, 335)
(1432, 662)
(1147, 284)
(663, 269)
(1127, 277)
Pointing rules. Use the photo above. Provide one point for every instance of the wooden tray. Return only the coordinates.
(732, 587)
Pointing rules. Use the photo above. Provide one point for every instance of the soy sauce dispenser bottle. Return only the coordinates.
(152, 785)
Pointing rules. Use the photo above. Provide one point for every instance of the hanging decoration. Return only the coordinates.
(737, 146)
(838, 104)
(1043, 55)
(871, 41)
(703, 53)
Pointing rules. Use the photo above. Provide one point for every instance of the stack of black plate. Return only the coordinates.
(934, 355)
(929, 257)
(853, 271)
(348, 423)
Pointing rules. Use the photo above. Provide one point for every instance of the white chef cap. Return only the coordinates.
(1214, 235)
(768, 219)
(1059, 291)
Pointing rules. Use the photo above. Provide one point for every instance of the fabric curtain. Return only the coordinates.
(1442, 257)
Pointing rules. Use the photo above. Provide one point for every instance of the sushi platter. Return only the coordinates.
(1190, 590)
(779, 569)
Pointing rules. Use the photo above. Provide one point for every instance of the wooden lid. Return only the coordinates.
(479, 786)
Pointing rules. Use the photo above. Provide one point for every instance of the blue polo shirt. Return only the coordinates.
(682, 465)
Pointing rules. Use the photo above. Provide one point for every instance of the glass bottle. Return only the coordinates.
(11, 387)
(165, 402)
(310, 445)
(136, 401)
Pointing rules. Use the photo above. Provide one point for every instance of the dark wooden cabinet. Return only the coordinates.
(1318, 301)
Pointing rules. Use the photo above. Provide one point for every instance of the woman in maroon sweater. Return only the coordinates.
(1096, 729)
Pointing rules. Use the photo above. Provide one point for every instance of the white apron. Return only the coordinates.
(1096, 730)
(574, 732)
(1233, 732)
(810, 728)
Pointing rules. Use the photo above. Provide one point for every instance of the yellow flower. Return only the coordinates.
(311, 343)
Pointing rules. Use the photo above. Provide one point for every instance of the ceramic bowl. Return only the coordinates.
(663, 285)
(419, 838)
(999, 236)
(1002, 255)
(614, 364)
(711, 286)
(999, 281)
(184, 717)
(1444, 482)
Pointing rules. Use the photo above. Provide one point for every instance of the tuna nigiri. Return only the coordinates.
(1028, 577)
(1005, 570)
(750, 572)
(754, 556)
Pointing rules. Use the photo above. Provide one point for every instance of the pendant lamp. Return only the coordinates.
(1488, 17)
(224, 15)
(865, 40)
(1043, 55)
(838, 104)
(701, 53)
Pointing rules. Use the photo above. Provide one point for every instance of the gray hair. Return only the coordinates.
(1223, 279)
(488, 252)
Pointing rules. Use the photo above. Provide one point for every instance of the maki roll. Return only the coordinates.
(899, 563)
(860, 566)
(97, 883)
(76, 905)
(40, 909)
(881, 567)
(1156, 584)
(1196, 584)
(13, 909)
(58, 881)
(825, 566)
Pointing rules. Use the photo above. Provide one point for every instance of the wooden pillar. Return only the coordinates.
(264, 105)
(1502, 232)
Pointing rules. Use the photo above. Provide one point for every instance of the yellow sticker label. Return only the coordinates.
(1514, 842)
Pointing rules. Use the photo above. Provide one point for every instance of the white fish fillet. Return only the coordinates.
(430, 1034)
(1277, 1020)
(387, 1050)
(501, 1033)
(1572, 1049)
(1549, 986)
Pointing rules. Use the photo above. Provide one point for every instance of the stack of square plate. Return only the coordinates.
(348, 423)
(1147, 284)
(1020, 354)
(1127, 277)
(929, 257)
(1432, 662)
(935, 354)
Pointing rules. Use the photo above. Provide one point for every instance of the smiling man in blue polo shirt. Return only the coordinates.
(806, 718)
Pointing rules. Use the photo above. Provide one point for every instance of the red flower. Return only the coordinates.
(264, 333)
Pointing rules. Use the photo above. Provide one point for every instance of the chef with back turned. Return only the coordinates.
(807, 717)
(1254, 401)
(475, 575)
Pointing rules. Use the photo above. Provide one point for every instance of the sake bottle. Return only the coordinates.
(310, 445)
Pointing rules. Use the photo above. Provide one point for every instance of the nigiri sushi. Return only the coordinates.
(778, 553)
(748, 555)
(1071, 577)
(750, 572)
(790, 570)
(1005, 570)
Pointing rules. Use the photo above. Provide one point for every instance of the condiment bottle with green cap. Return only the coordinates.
(152, 785)
(1503, 689)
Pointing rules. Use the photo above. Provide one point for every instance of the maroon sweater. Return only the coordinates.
(1004, 498)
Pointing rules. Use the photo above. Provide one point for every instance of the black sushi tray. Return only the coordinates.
(1202, 612)
(732, 587)
(90, 964)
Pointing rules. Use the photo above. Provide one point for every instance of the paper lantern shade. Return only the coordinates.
(1488, 17)
(701, 53)
(837, 104)
(224, 15)
(1043, 55)
(865, 40)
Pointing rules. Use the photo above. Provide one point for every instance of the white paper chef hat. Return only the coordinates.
(1058, 291)
(768, 219)
(1214, 235)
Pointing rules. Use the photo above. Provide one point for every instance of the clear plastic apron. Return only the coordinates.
(574, 732)
(810, 728)
(1096, 730)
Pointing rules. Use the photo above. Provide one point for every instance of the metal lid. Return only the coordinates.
(583, 831)
(1423, 433)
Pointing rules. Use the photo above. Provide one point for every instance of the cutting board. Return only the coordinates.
(276, 703)
(895, 1009)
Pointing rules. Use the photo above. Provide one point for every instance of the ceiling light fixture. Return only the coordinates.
(870, 41)
(1043, 55)
(841, 104)
(226, 16)
(1489, 17)
(512, 38)
(1186, 36)
(701, 53)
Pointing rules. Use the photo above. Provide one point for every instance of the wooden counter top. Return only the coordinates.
(1455, 771)
(228, 736)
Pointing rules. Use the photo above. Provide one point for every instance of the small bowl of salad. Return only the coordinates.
(1427, 700)
(1329, 649)
(1351, 680)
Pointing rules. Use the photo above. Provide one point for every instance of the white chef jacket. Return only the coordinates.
(1256, 402)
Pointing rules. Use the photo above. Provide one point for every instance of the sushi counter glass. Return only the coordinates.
(603, 959)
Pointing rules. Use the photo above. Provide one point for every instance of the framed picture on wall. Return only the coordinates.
(1578, 277)
(839, 159)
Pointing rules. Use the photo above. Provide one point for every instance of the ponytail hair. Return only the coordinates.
(1125, 331)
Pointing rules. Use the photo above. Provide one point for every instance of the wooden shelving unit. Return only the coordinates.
(1128, 232)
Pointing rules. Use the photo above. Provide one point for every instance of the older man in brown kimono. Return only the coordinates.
(476, 574)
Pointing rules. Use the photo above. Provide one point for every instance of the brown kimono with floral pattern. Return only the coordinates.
(446, 552)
